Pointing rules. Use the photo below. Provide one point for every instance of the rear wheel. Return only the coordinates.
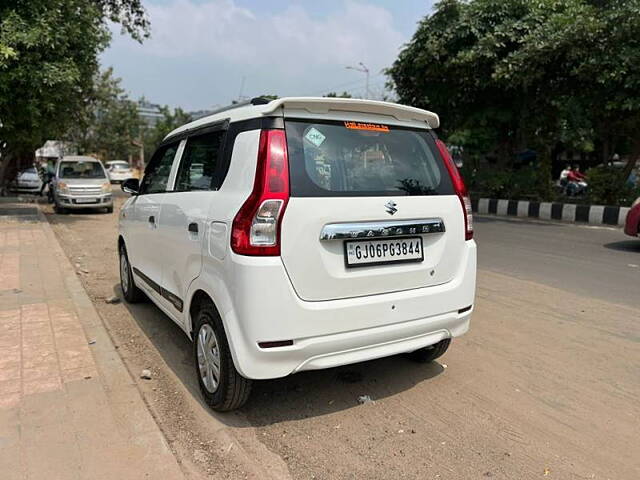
(132, 294)
(430, 353)
(109, 209)
(221, 385)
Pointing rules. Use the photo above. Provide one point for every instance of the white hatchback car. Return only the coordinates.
(27, 181)
(118, 170)
(299, 234)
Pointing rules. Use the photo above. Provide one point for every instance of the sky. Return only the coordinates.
(205, 53)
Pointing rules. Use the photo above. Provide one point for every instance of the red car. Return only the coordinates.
(632, 225)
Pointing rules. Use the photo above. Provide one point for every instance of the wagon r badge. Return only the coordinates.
(390, 206)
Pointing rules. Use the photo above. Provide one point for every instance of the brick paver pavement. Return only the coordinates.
(69, 409)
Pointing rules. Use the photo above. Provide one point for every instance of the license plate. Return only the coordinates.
(86, 200)
(360, 253)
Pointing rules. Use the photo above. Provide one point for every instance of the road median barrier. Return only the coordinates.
(563, 212)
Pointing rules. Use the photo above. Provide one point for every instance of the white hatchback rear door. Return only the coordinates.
(372, 210)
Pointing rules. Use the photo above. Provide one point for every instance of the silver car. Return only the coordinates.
(81, 182)
(27, 181)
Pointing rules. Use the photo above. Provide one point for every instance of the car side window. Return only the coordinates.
(156, 175)
(199, 162)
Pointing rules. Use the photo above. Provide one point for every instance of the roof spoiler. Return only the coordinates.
(326, 104)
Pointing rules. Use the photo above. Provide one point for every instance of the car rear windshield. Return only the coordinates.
(363, 159)
(81, 170)
(120, 166)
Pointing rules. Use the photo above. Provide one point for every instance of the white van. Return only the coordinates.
(299, 234)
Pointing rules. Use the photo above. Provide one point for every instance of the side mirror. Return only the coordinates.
(131, 185)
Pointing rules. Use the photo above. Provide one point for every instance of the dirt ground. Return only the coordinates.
(545, 385)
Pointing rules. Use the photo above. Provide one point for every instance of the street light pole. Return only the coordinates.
(362, 68)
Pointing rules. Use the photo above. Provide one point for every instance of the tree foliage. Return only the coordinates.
(107, 123)
(507, 75)
(171, 119)
(48, 59)
(110, 127)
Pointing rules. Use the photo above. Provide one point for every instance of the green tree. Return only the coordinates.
(107, 123)
(48, 59)
(153, 136)
(586, 53)
(512, 74)
(449, 66)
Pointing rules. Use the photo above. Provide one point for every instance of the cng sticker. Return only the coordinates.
(315, 136)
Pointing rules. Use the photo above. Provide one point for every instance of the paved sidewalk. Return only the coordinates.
(68, 407)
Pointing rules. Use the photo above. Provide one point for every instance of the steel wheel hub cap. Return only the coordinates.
(208, 358)
(124, 273)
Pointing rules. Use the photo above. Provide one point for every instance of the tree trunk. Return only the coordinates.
(545, 191)
(502, 154)
(5, 169)
(606, 150)
(12, 162)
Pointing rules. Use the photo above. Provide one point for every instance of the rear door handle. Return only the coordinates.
(193, 227)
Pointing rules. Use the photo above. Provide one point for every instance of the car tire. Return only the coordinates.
(131, 293)
(59, 210)
(109, 209)
(430, 353)
(231, 390)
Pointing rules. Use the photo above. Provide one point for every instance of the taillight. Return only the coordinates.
(256, 227)
(459, 187)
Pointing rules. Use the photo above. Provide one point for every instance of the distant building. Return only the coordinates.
(149, 112)
(202, 113)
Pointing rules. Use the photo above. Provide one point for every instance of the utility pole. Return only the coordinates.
(139, 143)
(362, 68)
(241, 88)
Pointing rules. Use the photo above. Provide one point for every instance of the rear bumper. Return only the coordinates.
(352, 347)
(114, 178)
(337, 332)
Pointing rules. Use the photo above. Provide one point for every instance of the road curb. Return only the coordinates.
(563, 212)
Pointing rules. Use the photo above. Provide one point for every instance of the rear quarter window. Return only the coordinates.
(356, 159)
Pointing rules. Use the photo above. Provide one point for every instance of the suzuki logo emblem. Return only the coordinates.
(390, 206)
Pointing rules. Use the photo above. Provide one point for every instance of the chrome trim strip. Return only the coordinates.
(382, 229)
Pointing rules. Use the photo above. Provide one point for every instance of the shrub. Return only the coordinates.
(499, 183)
(607, 188)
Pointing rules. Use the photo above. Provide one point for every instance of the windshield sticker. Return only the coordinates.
(315, 136)
(375, 127)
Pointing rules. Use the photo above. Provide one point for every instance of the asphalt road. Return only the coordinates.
(545, 385)
(597, 262)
